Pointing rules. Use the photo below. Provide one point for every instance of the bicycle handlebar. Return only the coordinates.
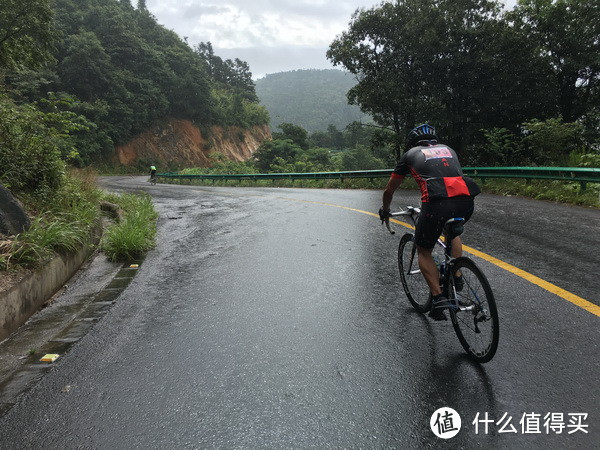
(409, 211)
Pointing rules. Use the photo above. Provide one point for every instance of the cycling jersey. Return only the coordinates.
(437, 171)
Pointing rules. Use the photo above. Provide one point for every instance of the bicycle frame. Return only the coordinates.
(445, 267)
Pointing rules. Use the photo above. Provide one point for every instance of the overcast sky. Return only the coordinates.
(270, 35)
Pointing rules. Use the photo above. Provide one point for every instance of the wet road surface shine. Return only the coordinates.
(264, 322)
(576, 300)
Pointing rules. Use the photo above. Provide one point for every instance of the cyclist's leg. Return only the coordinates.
(429, 270)
(427, 231)
(459, 207)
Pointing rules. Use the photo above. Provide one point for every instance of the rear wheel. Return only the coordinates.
(414, 284)
(475, 319)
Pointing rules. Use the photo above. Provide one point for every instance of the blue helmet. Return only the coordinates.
(420, 133)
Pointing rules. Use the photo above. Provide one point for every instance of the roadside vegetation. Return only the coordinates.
(72, 220)
(135, 233)
(63, 225)
(63, 202)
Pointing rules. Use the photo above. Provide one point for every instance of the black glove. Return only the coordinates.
(384, 214)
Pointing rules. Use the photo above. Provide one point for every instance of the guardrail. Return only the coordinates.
(582, 175)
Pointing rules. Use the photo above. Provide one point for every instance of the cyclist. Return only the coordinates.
(152, 173)
(445, 194)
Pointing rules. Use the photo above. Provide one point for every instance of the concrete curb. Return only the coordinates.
(21, 301)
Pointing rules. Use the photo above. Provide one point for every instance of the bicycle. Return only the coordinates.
(471, 302)
(153, 179)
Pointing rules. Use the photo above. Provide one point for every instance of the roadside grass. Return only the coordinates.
(64, 233)
(135, 234)
(551, 190)
(63, 224)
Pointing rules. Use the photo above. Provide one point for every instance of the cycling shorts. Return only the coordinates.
(434, 215)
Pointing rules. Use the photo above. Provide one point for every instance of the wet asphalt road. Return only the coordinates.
(268, 319)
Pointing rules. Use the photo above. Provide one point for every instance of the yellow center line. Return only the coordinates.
(552, 288)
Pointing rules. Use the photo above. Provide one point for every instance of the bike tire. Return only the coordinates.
(477, 330)
(413, 282)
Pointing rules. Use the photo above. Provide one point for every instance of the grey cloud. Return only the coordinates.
(194, 11)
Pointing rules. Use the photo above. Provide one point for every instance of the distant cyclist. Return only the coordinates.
(153, 173)
(445, 194)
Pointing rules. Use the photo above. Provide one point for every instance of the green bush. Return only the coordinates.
(30, 161)
(550, 142)
(584, 159)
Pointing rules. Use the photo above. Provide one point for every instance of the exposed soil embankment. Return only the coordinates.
(181, 143)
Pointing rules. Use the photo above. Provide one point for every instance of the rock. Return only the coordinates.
(113, 209)
(13, 218)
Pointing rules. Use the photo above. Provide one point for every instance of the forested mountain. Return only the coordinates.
(312, 99)
(115, 72)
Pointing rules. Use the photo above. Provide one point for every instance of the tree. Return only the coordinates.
(27, 35)
(550, 141)
(294, 133)
(234, 75)
(376, 50)
(30, 160)
(448, 62)
(273, 152)
(566, 34)
(86, 69)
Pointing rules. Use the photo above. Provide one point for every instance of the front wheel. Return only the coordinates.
(475, 317)
(414, 283)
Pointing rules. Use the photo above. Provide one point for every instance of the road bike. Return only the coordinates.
(153, 179)
(471, 303)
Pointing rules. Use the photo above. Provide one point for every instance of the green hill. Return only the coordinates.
(312, 99)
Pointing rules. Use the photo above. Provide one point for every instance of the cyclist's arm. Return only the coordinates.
(394, 182)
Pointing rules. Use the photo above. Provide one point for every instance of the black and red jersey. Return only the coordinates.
(437, 171)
